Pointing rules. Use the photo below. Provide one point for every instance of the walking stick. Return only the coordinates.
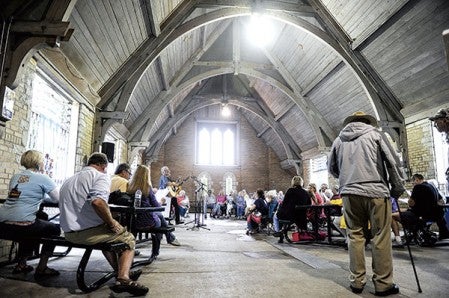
(386, 164)
(408, 248)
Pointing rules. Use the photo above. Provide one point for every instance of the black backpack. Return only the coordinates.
(121, 198)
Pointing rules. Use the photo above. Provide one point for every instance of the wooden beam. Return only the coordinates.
(138, 62)
(446, 44)
(383, 98)
(148, 9)
(297, 8)
(42, 28)
(236, 46)
(316, 119)
(263, 131)
(284, 112)
(162, 73)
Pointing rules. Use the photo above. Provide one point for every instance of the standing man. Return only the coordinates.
(360, 158)
(165, 182)
(86, 219)
(441, 123)
(121, 176)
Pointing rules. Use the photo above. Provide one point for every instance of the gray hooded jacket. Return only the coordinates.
(365, 163)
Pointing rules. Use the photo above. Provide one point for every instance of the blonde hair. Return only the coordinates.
(140, 180)
(32, 159)
(297, 181)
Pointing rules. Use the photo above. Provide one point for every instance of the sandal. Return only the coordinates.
(134, 275)
(129, 286)
(46, 273)
(22, 269)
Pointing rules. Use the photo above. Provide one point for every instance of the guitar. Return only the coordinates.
(175, 187)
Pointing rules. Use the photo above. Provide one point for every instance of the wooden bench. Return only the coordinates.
(80, 279)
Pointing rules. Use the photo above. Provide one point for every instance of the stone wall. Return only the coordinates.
(13, 143)
(421, 148)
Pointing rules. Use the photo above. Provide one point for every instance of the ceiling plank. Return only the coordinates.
(384, 100)
(308, 108)
(144, 55)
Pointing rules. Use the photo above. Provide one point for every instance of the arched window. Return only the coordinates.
(216, 143)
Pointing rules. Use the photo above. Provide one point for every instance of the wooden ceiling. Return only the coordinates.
(148, 65)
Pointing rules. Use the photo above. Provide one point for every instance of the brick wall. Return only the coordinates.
(258, 165)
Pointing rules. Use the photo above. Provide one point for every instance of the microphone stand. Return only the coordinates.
(198, 221)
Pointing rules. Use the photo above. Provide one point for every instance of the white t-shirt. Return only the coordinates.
(75, 198)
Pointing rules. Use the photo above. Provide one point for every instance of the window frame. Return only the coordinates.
(210, 123)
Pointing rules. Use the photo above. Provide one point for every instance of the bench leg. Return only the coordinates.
(80, 275)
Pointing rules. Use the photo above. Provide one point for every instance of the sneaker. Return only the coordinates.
(391, 291)
(397, 243)
(175, 243)
(129, 286)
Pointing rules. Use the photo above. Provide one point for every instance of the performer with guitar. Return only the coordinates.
(173, 187)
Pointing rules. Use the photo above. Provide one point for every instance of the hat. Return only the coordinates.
(443, 113)
(359, 115)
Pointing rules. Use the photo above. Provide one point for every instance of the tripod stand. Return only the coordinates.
(198, 220)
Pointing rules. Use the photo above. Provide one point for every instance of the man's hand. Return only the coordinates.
(116, 227)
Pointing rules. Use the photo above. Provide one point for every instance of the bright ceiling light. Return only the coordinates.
(260, 30)
(225, 111)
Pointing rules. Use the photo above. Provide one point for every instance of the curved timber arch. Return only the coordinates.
(167, 37)
(290, 147)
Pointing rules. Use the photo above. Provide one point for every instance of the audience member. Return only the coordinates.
(230, 205)
(148, 220)
(273, 204)
(18, 215)
(296, 195)
(183, 203)
(86, 219)
(395, 223)
(240, 205)
(120, 179)
(210, 202)
(220, 206)
(360, 158)
(423, 204)
(257, 211)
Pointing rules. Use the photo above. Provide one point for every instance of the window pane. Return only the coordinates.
(204, 147)
(228, 154)
(217, 147)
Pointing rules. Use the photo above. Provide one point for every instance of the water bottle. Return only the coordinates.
(137, 198)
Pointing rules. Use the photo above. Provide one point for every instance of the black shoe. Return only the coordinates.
(356, 290)
(179, 222)
(277, 234)
(391, 291)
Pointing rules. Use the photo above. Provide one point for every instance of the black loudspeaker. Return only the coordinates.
(108, 149)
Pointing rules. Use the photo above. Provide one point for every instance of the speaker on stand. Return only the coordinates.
(108, 149)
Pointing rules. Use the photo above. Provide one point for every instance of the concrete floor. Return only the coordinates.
(224, 262)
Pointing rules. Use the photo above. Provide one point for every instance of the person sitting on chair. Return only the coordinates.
(258, 211)
(183, 204)
(295, 195)
(18, 215)
(147, 220)
(423, 205)
(86, 219)
(121, 176)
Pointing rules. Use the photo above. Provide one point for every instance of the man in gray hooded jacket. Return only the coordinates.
(369, 173)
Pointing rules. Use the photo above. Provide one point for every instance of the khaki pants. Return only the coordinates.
(100, 234)
(358, 211)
